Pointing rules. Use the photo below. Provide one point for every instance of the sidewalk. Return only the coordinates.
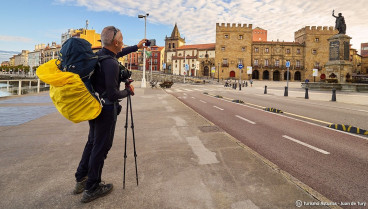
(184, 161)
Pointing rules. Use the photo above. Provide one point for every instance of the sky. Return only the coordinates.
(26, 23)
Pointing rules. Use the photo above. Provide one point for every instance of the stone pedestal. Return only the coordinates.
(339, 67)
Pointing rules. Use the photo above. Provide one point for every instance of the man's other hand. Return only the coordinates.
(140, 44)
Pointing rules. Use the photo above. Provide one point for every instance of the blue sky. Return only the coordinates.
(26, 23)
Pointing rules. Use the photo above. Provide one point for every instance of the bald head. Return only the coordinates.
(109, 34)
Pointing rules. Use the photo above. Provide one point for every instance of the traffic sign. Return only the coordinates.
(287, 63)
(240, 66)
(186, 67)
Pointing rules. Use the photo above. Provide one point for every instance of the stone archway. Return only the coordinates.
(266, 75)
(206, 71)
(232, 74)
(255, 74)
(285, 75)
(297, 76)
(276, 75)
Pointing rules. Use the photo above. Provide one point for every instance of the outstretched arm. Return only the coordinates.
(333, 13)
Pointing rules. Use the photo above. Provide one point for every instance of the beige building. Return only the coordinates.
(269, 60)
(356, 61)
(316, 49)
(233, 47)
(51, 52)
(21, 59)
(200, 59)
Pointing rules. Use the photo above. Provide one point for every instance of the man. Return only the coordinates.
(101, 133)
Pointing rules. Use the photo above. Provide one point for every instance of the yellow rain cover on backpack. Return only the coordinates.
(69, 94)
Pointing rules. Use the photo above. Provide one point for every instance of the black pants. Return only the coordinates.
(100, 138)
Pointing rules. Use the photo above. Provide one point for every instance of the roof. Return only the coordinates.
(198, 46)
(258, 28)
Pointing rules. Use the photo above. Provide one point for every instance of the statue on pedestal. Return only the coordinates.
(340, 23)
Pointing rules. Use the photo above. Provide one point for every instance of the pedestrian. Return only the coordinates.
(102, 129)
(251, 82)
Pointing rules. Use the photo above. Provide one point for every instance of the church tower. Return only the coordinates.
(171, 44)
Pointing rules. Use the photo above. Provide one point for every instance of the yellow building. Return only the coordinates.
(90, 35)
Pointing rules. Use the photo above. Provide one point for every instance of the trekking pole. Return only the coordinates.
(125, 146)
(135, 153)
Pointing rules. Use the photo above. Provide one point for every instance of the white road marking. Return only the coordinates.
(249, 121)
(218, 108)
(307, 145)
(188, 90)
(202, 101)
(193, 97)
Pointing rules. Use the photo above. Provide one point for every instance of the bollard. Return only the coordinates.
(236, 85)
(20, 88)
(265, 91)
(239, 86)
(286, 91)
(333, 95)
(246, 84)
(306, 93)
(38, 85)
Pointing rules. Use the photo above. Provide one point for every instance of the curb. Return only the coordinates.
(348, 128)
(273, 110)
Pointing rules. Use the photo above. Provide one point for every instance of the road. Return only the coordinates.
(331, 162)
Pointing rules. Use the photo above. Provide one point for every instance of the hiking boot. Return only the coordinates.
(80, 185)
(100, 191)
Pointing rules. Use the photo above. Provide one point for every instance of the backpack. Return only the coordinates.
(69, 77)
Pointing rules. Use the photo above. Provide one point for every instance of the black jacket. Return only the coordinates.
(106, 80)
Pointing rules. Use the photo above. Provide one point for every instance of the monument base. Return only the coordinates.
(339, 66)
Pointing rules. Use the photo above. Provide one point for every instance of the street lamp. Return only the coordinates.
(218, 73)
(143, 83)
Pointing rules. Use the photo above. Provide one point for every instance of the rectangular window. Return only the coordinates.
(267, 50)
(298, 51)
(155, 61)
(266, 62)
(287, 51)
(277, 63)
(225, 63)
(226, 36)
(240, 37)
(298, 63)
(222, 48)
(316, 65)
(240, 61)
(316, 40)
(256, 50)
(255, 62)
(243, 49)
(314, 51)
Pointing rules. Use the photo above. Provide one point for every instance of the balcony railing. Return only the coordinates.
(225, 65)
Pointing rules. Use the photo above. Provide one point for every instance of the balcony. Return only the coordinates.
(225, 65)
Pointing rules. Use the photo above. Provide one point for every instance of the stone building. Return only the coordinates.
(364, 51)
(233, 47)
(356, 61)
(269, 60)
(171, 43)
(316, 49)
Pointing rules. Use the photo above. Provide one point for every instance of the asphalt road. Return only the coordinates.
(331, 162)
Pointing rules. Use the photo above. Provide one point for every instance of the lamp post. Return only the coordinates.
(143, 83)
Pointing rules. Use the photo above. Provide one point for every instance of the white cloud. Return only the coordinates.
(15, 39)
(197, 18)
